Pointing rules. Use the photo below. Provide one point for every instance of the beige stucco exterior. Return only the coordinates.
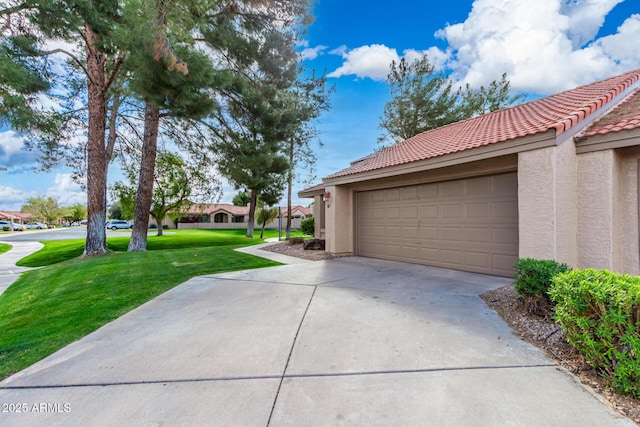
(547, 203)
(580, 208)
(577, 183)
(339, 220)
(608, 211)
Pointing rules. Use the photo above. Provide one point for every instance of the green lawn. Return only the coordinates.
(50, 307)
(4, 247)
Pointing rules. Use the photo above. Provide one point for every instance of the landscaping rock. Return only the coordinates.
(313, 245)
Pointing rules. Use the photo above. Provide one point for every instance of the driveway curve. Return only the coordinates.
(349, 341)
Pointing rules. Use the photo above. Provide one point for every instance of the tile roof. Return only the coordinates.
(217, 207)
(11, 215)
(301, 209)
(626, 116)
(557, 112)
(198, 209)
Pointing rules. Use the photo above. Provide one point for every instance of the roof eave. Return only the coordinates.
(525, 143)
(608, 141)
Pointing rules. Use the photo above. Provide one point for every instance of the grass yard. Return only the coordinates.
(49, 308)
(4, 247)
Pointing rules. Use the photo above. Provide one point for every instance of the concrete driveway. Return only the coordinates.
(350, 341)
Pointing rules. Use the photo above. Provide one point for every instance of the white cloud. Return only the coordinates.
(310, 53)
(12, 152)
(437, 57)
(10, 144)
(623, 45)
(585, 18)
(12, 199)
(540, 48)
(66, 191)
(366, 61)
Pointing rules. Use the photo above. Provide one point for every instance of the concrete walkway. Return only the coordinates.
(349, 341)
(9, 272)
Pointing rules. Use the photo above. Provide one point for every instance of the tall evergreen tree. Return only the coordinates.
(254, 123)
(32, 27)
(174, 80)
(423, 98)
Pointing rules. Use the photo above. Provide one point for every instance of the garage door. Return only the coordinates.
(466, 224)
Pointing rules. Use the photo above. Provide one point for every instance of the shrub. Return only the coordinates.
(6, 228)
(307, 226)
(296, 240)
(599, 312)
(533, 279)
(533, 276)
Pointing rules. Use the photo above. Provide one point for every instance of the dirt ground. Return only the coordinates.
(541, 332)
(548, 336)
(297, 251)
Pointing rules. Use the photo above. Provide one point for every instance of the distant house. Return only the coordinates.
(15, 216)
(555, 178)
(222, 215)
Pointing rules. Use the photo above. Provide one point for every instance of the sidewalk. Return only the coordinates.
(350, 341)
(9, 272)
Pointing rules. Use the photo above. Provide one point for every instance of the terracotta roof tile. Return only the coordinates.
(217, 207)
(625, 116)
(559, 112)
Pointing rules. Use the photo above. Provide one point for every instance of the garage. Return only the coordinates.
(466, 224)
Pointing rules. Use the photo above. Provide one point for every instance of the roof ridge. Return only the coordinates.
(558, 112)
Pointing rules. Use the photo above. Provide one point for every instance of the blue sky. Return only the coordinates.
(545, 46)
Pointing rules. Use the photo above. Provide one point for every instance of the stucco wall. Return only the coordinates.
(631, 227)
(339, 223)
(608, 211)
(547, 203)
(595, 209)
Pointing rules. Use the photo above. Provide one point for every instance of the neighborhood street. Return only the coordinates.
(65, 233)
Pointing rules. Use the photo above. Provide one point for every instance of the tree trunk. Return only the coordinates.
(289, 185)
(252, 213)
(144, 196)
(96, 242)
(159, 223)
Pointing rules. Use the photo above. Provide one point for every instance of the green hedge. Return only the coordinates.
(599, 312)
(307, 226)
(534, 276)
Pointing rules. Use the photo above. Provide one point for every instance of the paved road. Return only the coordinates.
(350, 341)
(65, 233)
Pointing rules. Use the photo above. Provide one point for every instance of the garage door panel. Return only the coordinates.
(410, 193)
(478, 210)
(478, 259)
(452, 188)
(451, 234)
(504, 262)
(378, 213)
(428, 211)
(427, 191)
(393, 195)
(508, 209)
(478, 235)
(469, 224)
(451, 211)
(505, 235)
(504, 184)
(410, 212)
(479, 186)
